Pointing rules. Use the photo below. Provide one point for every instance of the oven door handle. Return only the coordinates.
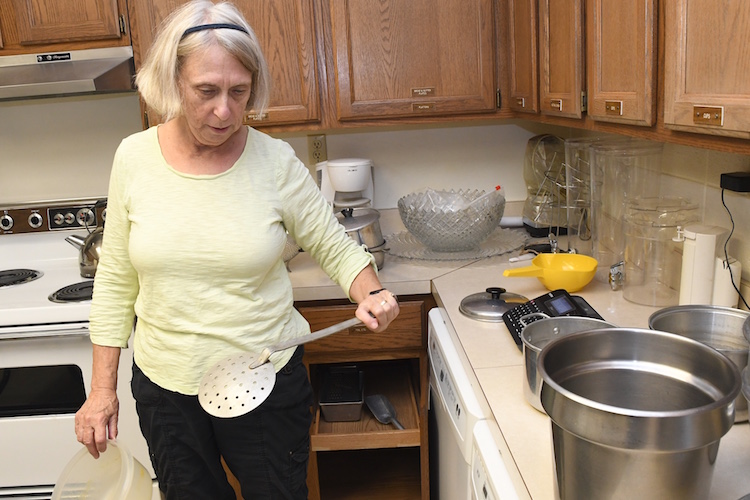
(44, 331)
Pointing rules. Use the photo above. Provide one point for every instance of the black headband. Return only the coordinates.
(215, 26)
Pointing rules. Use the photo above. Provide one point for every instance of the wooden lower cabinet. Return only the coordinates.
(365, 459)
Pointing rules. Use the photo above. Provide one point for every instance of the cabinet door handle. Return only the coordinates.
(708, 115)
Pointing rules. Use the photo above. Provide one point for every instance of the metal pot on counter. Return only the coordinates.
(538, 334)
(636, 413)
(716, 326)
(363, 226)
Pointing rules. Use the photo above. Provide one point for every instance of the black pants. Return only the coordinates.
(266, 449)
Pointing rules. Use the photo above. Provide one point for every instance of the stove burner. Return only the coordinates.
(18, 276)
(77, 292)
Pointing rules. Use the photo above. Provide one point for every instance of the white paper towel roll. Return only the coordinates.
(724, 293)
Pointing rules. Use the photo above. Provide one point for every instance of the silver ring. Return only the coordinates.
(384, 303)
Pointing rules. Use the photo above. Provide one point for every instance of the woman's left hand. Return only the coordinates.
(377, 310)
(377, 306)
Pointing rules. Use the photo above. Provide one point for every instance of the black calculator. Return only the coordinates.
(551, 304)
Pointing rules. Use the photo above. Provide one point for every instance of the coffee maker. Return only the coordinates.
(346, 182)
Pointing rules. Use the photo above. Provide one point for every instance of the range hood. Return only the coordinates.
(51, 74)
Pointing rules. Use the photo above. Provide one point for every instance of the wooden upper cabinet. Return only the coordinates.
(145, 18)
(707, 66)
(286, 35)
(523, 55)
(31, 26)
(285, 29)
(621, 60)
(561, 62)
(404, 58)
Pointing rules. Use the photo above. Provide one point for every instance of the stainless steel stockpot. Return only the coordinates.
(636, 413)
(538, 334)
(715, 326)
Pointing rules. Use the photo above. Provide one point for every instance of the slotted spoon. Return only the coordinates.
(240, 383)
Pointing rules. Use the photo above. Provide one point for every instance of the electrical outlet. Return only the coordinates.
(316, 146)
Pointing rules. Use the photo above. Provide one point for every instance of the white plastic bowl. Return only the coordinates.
(115, 475)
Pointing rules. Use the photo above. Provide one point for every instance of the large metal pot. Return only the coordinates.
(716, 326)
(363, 226)
(538, 334)
(636, 413)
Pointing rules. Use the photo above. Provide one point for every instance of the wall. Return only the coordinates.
(406, 160)
(695, 174)
(62, 148)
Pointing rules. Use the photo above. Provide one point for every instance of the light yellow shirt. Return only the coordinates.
(198, 258)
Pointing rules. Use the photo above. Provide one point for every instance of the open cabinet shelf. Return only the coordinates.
(370, 475)
(392, 379)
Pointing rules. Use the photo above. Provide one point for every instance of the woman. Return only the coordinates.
(197, 215)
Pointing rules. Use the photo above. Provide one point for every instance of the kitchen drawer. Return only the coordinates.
(403, 334)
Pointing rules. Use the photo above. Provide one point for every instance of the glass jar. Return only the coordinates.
(653, 254)
(621, 170)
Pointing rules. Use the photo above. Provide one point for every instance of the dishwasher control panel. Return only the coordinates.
(450, 382)
(446, 386)
(490, 479)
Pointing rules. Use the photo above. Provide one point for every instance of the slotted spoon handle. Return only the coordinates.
(303, 340)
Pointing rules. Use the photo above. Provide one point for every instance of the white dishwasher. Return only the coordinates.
(489, 477)
(454, 412)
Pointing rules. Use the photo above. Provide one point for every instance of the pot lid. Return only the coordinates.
(491, 304)
(354, 220)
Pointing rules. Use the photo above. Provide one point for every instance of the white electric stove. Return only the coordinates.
(45, 351)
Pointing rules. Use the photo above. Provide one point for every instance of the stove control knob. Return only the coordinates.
(70, 218)
(35, 220)
(58, 219)
(6, 222)
(85, 217)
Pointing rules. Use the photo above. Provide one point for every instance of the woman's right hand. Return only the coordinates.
(96, 420)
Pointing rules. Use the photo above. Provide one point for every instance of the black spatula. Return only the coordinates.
(381, 407)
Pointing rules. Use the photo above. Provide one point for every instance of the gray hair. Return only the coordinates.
(158, 78)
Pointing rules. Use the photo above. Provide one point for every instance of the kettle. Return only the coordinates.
(89, 248)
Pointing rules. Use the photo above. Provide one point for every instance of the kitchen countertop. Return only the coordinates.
(495, 364)
(401, 276)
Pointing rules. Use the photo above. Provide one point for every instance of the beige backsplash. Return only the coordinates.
(62, 148)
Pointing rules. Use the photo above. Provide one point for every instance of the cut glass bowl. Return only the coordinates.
(448, 221)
